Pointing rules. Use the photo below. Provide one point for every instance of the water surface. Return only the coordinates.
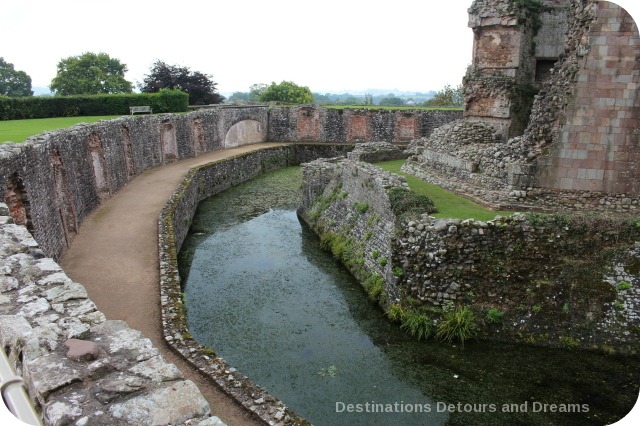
(262, 293)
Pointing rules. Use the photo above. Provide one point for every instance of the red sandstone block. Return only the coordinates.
(594, 155)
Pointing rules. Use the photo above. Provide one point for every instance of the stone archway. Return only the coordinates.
(245, 132)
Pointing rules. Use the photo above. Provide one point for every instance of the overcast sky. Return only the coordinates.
(328, 45)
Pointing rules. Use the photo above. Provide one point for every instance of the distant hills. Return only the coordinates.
(356, 97)
(41, 91)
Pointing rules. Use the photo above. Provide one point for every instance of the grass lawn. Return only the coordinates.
(19, 130)
(449, 205)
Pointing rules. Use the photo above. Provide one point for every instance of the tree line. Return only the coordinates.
(449, 97)
(98, 73)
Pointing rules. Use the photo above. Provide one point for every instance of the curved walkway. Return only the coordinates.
(115, 256)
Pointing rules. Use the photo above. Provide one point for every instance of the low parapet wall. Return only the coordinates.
(546, 279)
(173, 224)
(79, 367)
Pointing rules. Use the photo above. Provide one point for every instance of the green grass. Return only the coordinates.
(20, 130)
(390, 107)
(449, 205)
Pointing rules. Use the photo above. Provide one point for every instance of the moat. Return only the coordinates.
(262, 293)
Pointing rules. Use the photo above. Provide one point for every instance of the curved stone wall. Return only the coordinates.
(557, 280)
(51, 183)
(57, 178)
(200, 183)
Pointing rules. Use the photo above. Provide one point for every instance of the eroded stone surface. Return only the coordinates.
(77, 365)
(82, 350)
(173, 404)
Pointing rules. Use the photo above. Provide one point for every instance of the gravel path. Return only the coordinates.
(115, 256)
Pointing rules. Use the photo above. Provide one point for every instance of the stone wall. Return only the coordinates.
(580, 148)
(79, 367)
(317, 124)
(597, 144)
(556, 280)
(173, 224)
(346, 203)
(375, 152)
(515, 44)
(54, 180)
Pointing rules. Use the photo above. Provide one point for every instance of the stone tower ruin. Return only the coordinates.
(516, 44)
(552, 109)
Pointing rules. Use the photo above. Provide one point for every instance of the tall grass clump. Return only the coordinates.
(418, 325)
(457, 324)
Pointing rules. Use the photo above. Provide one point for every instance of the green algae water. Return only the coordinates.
(262, 293)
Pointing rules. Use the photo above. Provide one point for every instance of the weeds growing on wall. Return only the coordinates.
(418, 325)
(457, 324)
(448, 324)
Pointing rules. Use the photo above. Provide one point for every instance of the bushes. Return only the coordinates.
(70, 106)
(406, 203)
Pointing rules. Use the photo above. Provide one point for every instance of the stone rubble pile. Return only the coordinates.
(374, 152)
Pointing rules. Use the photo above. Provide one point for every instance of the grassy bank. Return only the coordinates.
(449, 205)
(20, 130)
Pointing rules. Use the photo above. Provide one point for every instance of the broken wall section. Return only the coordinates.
(557, 280)
(515, 45)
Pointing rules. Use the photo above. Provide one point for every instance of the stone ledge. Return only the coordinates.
(119, 378)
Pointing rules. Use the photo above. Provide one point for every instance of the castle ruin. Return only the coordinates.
(551, 109)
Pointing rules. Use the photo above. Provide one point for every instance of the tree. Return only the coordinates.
(90, 74)
(391, 101)
(239, 97)
(287, 92)
(447, 98)
(256, 90)
(13, 83)
(200, 87)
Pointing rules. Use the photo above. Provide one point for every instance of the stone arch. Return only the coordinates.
(245, 132)
(96, 153)
(17, 200)
(63, 199)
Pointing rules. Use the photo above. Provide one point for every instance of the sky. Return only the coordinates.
(328, 45)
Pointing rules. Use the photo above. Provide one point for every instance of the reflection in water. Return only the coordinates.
(264, 295)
